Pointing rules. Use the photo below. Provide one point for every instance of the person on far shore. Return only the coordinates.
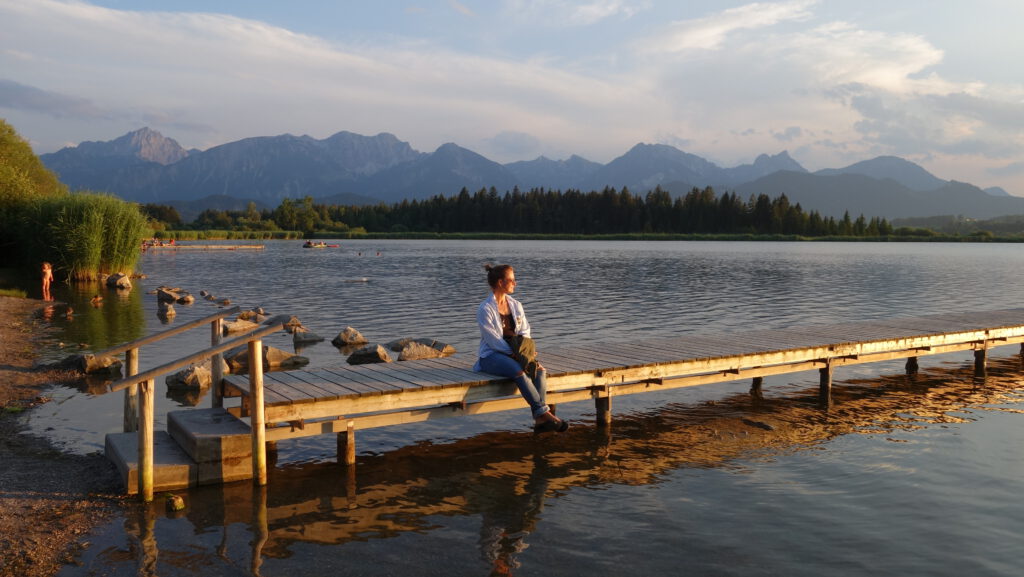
(47, 279)
(501, 319)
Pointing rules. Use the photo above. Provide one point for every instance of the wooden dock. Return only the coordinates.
(220, 444)
(202, 247)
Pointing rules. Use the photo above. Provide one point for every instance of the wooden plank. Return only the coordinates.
(368, 383)
(392, 371)
(439, 375)
(278, 383)
(635, 356)
(564, 362)
(316, 393)
(331, 383)
(601, 358)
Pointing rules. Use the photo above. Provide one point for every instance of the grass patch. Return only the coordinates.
(16, 293)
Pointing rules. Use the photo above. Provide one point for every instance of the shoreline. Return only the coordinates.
(50, 501)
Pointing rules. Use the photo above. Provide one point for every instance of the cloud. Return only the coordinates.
(16, 96)
(789, 134)
(565, 13)
(711, 32)
(510, 143)
(1012, 169)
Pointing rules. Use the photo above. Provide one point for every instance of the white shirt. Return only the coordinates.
(491, 339)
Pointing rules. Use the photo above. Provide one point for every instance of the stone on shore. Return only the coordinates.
(442, 349)
(197, 376)
(369, 354)
(290, 322)
(305, 336)
(418, 350)
(273, 359)
(165, 309)
(240, 326)
(164, 295)
(89, 364)
(349, 337)
(119, 280)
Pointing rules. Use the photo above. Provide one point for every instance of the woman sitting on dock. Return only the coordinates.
(502, 324)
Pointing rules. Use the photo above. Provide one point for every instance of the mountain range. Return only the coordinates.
(349, 168)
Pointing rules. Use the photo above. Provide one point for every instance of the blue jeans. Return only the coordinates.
(534, 392)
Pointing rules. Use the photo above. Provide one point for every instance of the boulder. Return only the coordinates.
(443, 349)
(235, 327)
(186, 299)
(417, 350)
(349, 337)
(305, 336)
(290, 322)
(165, 309)
(369, 354)
(166, 296)
(273, 359)
(192, 377)
(90, 364)
(197, 376)
(119, 280)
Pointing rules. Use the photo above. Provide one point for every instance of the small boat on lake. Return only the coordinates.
(320, 244)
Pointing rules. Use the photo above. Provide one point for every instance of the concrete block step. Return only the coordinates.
(218, 442)
(172, 468)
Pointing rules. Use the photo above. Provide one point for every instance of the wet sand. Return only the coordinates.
(49, 500)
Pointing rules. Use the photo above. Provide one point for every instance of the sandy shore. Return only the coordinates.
(49, 500)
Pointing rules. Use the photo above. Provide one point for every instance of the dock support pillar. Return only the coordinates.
(146, 420)
(603, 408)
(825, 385)
(980, 360)
(347, 445)
(912, 367)
(131, 394)
(257, 417)
(755, 388)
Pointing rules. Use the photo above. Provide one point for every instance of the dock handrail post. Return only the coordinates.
(256, 417)
(146, 419)
(131, 394)
(216, 364)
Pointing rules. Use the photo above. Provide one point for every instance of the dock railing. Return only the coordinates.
(140, 398)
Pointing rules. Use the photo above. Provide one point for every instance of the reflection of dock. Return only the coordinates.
(503, 479)
(344, 399)
(203, 247)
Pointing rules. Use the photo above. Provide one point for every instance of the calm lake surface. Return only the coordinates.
(904, 475)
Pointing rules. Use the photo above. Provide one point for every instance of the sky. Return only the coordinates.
(832, 82)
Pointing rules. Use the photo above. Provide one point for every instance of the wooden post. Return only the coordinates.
(755, 388)
(911, 366)
(350, 444)
(256, 418)
(131, 394)
(825, 385)
(603, 407)
(146, 419)
(980, 360)
(216, 369)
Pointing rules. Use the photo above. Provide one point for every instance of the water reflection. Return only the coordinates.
(502, 481)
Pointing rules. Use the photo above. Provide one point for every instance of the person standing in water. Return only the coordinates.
(47, 279)
(501, 317)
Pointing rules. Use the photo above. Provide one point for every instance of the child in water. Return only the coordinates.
(47, 279)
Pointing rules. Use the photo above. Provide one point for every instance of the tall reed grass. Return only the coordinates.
(87, 235)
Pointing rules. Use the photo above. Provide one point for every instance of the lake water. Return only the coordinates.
(904, 475)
